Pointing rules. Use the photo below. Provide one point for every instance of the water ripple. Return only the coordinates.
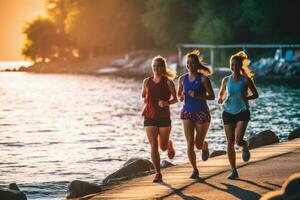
(86, 131)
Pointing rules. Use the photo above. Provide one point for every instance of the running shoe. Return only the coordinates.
(170, 150)
(246, 154)
(158, 178)
(233, 174)
(195, 174)
(205, 152)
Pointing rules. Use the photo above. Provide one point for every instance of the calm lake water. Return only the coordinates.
(58, 128)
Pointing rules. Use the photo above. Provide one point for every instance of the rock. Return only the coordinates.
(274, 195)
(263, 138)
(165, 164)
(289, 190)
(131, 168)
(80, 188)
(13, 186)
(8, 194)
(291, 186)
(294, 134)
(217, 153)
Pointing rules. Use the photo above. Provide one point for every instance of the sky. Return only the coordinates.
(14, 15)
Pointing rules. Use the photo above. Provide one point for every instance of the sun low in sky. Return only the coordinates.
(14, 15)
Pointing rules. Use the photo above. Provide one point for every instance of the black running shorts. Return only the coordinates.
(234, 118)
(163, 122)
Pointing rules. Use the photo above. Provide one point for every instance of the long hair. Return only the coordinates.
(167, 72)
(202, 68)
(242, 58)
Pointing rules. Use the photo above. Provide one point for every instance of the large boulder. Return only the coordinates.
(131, 168)
(13, 186)
(291, 186)
(263, 138)
(78, 189)
(166, 164)
(290, 190)
(294, 134)
(12, 194)
(274, 195)
(217, 153)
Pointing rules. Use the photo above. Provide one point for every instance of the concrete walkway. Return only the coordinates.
(266, 171)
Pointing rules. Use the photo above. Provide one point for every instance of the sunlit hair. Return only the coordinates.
(167, 72)
(202, 69)
(242, 59)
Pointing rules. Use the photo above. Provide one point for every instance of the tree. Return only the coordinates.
(58, 11)
(106, 26)
(214, 22)
(262, 18)
(169, 21)
(40, 39)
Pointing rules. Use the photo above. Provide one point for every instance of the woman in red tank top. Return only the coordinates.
(159, 93)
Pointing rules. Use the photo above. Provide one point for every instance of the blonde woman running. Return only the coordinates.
(159, 93)
(236, 114)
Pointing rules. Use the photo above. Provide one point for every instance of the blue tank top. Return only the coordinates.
(234, 103)
(192, 104)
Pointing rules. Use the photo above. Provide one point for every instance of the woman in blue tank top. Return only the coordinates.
(236, 114)
(195, 88)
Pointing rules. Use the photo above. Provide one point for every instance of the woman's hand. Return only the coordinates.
(181, 98)
(220, 101)
(162, 103)
(196, 95)
(192, 93)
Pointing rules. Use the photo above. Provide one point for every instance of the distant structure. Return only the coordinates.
(212, 48)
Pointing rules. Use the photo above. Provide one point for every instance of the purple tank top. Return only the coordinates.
(192, 104)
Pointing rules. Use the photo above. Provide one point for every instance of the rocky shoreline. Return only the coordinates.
(139, 64)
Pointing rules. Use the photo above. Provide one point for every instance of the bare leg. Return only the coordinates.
(240, 130)
(152, 134)
(189, 128)
(201, 131)
(163, 137)
(229, 131)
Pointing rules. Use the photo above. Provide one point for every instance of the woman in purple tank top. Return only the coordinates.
(236, 115)
(194, 88)
(159, 93)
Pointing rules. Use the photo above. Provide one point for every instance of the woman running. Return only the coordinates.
(159, 93)
(236, 114)
(194, 89)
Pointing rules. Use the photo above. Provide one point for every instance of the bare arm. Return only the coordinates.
(174, 99)
(172, 89)
(144, 90)
(180, 93)
(252, 88)
(222, 91)
(209, 95)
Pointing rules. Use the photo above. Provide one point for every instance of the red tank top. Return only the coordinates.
(154, 93)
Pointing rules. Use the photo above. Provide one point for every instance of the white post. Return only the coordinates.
(212, 57)
(179, 55)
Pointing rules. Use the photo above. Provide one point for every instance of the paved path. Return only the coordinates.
(266, 171)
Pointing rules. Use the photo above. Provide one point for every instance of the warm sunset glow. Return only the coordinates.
(15, 13)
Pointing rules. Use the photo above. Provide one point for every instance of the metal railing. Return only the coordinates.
(244, 47)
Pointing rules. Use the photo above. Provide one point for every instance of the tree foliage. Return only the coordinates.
(107, 26)
(169, 21)
(41, 35)
(93, 27)
(214, 23)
